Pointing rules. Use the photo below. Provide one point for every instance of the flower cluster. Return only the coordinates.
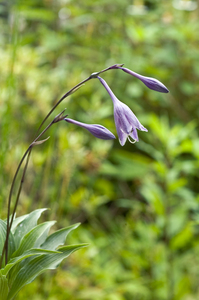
(125, 120)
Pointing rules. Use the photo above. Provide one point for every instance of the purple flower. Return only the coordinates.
(125, 121)
(151, 83)
(98, 131)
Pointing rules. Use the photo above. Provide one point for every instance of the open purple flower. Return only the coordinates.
(150, 82)
(98, 131)
(125, 121)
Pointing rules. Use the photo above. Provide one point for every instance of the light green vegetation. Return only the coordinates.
(138, 204)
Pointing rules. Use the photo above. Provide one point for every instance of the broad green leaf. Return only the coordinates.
(16, 222)
(11, 242)
(43, 236)
(58, 238)
(26, 225)
(25, 255)
(34, 238)
(38, 265)
(3, 287)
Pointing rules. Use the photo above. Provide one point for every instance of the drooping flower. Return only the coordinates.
(150, 82)
(98, 131)
(125, 121)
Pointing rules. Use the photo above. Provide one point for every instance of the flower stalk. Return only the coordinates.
(27, 154)
(36, 141)
(125, 120)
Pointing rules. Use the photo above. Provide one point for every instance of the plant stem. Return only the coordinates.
(9, 224)
(93, 75)
(62, 98)
(28, 152)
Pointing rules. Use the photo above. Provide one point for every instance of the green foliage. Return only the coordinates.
(138, 205)
(32, 252)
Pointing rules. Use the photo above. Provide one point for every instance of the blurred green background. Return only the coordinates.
(138, 204)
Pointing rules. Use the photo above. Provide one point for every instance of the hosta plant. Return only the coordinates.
(26, 249)
(31, 251)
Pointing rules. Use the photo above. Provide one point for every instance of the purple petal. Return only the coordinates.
(125, 120)
(120, 118)
(131, 117)
(150, 82)
(122, 137)
(121, 134)
(134, 135)
(103, 82)
(98, 131)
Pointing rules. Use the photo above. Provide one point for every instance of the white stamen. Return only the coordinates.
(132, 142)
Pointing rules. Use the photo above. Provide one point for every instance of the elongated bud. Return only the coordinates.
(150, 82)
(98, 131)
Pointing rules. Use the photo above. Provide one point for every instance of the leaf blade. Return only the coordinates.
(27, 224)
(3, 286)
(38, 265)
(11, 241)
(25, 255)
(58, 237)
(34, 238)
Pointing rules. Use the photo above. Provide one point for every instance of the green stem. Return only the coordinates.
(28, 152)
(93, 75)
(62, 98)
(9, 223)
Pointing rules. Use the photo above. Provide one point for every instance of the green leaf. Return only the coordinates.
(11, 242)
(183, 237)
(34, 238)
(3, 287)
(25, 255)
(58, 238)
(2, 235)
(38, 265)
(17, 221)
(26, 225)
